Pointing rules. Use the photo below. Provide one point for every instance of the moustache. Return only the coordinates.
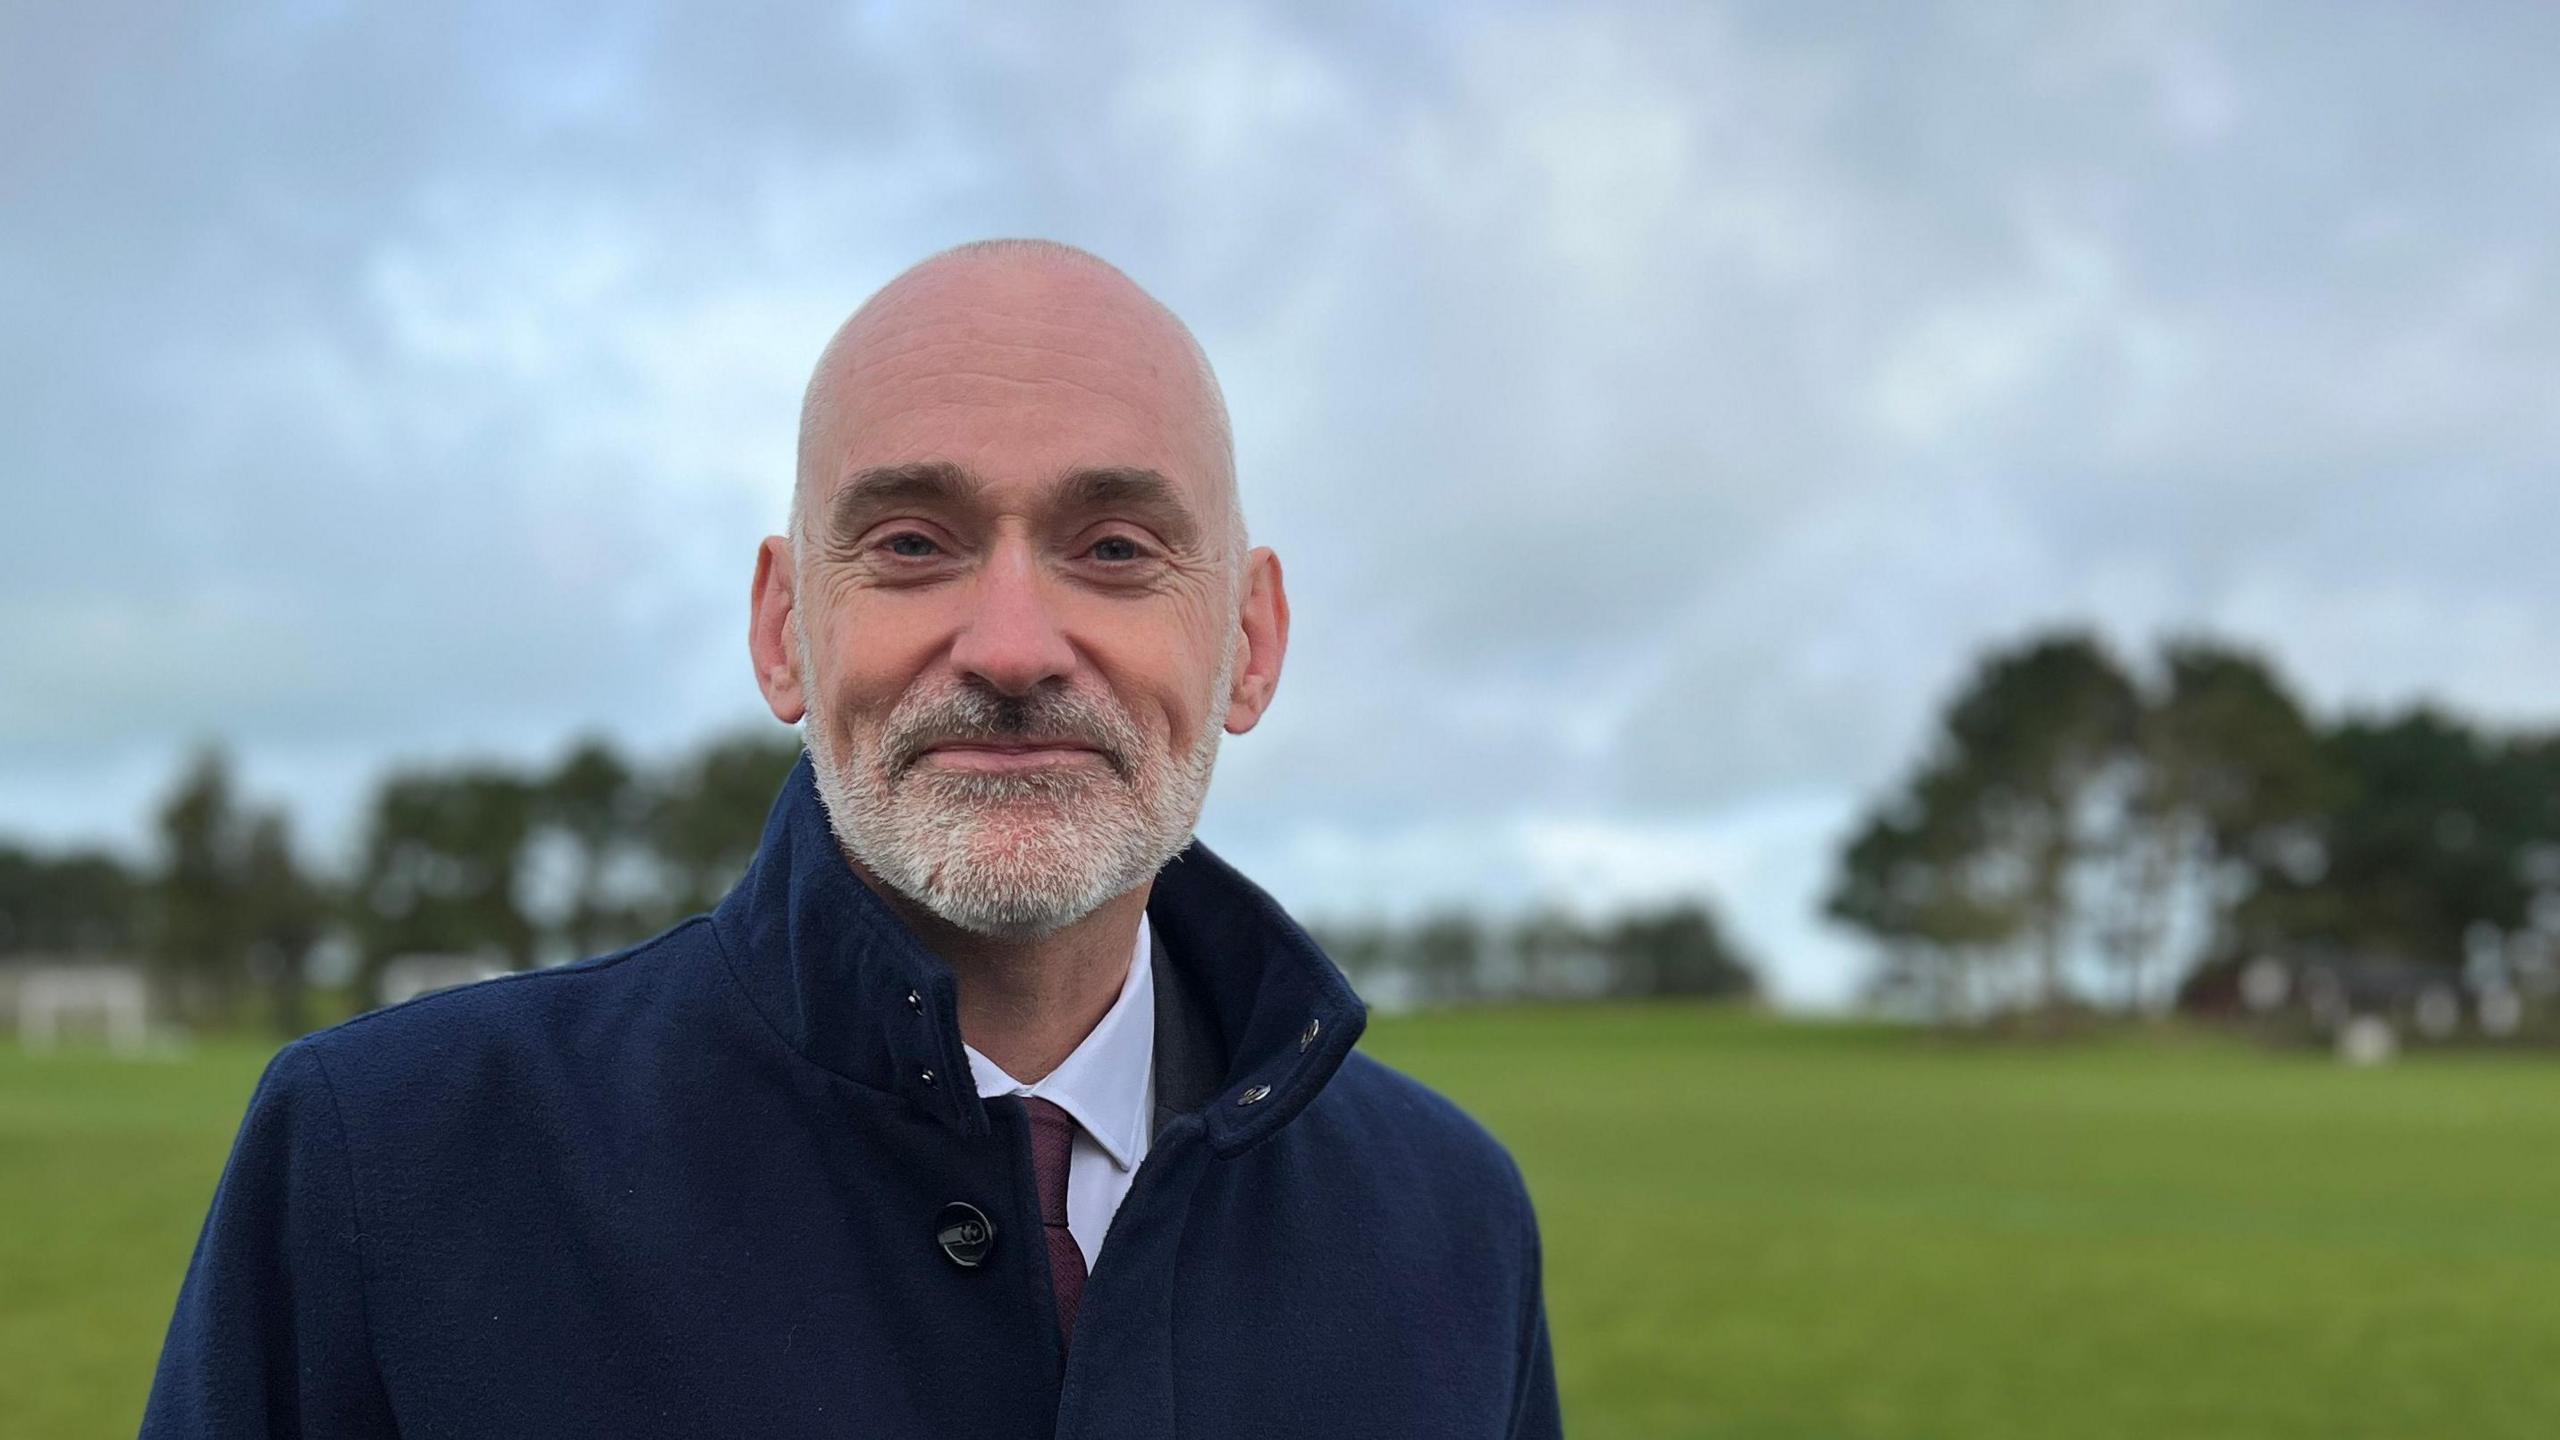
(976, 715)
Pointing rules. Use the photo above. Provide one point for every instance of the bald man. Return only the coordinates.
(990, 1103)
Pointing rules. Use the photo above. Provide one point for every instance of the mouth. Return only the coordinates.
(1008, 756)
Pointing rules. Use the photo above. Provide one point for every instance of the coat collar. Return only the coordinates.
(846, 984)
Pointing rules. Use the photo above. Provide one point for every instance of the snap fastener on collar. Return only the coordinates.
(1253, 1094)
(1307, 1036)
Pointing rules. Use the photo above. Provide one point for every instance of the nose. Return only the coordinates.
(1010, 638)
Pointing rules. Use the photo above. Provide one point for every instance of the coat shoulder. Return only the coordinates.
(534, 1019)
(1418, 1134)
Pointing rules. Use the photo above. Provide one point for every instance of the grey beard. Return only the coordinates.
(1013, 856)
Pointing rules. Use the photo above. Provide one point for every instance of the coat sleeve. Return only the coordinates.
(270, 1336)
(1535, 1414)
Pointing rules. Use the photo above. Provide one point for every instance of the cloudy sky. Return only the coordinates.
(1656, 407)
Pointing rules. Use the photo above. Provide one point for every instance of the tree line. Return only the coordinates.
(2082, 831)
(511, 866)
(1674, 950)
(516, 867)
(2078, 831)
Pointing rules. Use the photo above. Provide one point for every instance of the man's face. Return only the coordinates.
(1015, 619)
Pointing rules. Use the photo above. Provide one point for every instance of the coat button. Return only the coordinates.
(965, 1233)
(1307, 1036)
(1253, 1095)
(915, 1002)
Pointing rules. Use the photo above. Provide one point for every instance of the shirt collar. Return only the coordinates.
(1103, 1081)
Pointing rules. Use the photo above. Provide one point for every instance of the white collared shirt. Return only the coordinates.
(1108, 1083)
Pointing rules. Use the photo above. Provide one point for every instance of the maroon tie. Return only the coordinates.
(1053, 1138)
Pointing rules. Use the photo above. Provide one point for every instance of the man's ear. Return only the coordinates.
(1265, 623)
(769, 641)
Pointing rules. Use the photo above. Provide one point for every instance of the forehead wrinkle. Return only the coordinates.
(987, 320)
(886, 401)
(864, 377)
(1000, 330)
(1020, 381)
(1146, 342)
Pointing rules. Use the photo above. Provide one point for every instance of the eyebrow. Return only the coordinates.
(1132, 490)
(1128, 489)
(888, 487)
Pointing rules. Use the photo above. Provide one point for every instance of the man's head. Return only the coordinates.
(1016, 605)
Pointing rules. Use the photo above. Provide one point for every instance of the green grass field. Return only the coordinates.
(1752, 1229)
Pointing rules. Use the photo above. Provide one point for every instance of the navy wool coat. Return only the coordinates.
(704, 1187)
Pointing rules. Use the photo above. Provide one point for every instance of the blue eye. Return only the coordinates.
(1117, 548)
(910, 546)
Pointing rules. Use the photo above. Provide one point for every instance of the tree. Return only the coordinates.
(1676, 951)
(1987, 851)
(2045, 741)
(594, 802)
(1363, 952)
(1912, 878)
(87, 903)
(235, 909)
(442, 864)
(284, 913)
(203, 936)
(2432, 837)
(1448, 953)
(709, 817)
(1552, 945)
(2229, 810)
